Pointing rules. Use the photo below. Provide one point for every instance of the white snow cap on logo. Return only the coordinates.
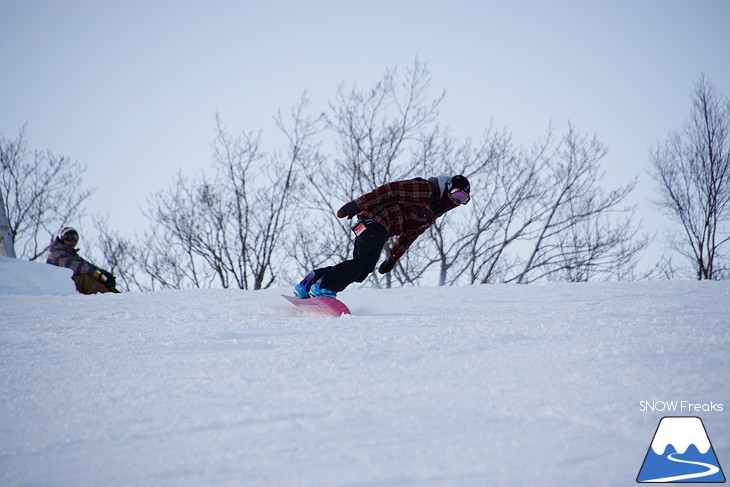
(680, 432)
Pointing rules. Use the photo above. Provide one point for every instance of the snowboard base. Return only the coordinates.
(320, 306)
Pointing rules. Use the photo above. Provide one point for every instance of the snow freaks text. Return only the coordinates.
(683, 407)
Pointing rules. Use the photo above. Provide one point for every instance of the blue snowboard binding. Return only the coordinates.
(310, 287)
(317, 291)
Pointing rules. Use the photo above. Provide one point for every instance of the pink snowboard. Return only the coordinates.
(320, 306)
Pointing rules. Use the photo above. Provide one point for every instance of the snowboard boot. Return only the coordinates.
(317, 291)
(301, 290)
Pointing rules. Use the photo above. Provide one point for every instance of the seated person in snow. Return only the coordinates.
(89, 279)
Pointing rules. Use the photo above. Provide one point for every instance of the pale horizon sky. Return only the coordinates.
(131, 89)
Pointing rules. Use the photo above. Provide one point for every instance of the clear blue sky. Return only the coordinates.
(130, 89)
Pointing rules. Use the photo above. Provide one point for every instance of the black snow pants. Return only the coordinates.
(368, 246)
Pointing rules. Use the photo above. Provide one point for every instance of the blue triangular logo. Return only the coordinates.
(681, 452)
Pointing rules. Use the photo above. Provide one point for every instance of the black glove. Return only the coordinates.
(387, 265)
(349, 210)
(108, 280)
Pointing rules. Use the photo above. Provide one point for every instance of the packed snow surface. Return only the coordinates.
(467, 386)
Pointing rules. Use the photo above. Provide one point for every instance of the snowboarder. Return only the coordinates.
(402, 208)
(88, 278)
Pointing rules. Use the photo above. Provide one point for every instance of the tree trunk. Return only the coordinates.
(7, 249)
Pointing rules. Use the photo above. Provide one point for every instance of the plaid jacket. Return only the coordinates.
(63, 256)
(404, 208)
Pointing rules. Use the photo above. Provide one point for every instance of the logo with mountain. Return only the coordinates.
(681, 452)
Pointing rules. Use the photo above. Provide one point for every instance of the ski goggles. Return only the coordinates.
(460, 196)
(70, 237)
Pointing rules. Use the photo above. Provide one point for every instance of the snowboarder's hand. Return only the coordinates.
(111, 282)
(107, 278)
(349, 210)
(387, 265)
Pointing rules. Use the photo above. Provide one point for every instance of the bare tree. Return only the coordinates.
(505, 209)
(380, 135)
(457, 245)
(522, 200)
(574, 237)
(40, 193)
(534, 215)
(120, 255)
(177, 251)
(692, 172)
(375, 130)
(227, 229)
(259, 218)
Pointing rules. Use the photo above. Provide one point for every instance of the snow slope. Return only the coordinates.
(485, 385)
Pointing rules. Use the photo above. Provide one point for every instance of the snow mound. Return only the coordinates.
(23, 277)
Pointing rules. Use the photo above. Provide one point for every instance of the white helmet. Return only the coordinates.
(68, 233)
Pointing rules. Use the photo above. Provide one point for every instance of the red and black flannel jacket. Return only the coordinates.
(404, 208)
